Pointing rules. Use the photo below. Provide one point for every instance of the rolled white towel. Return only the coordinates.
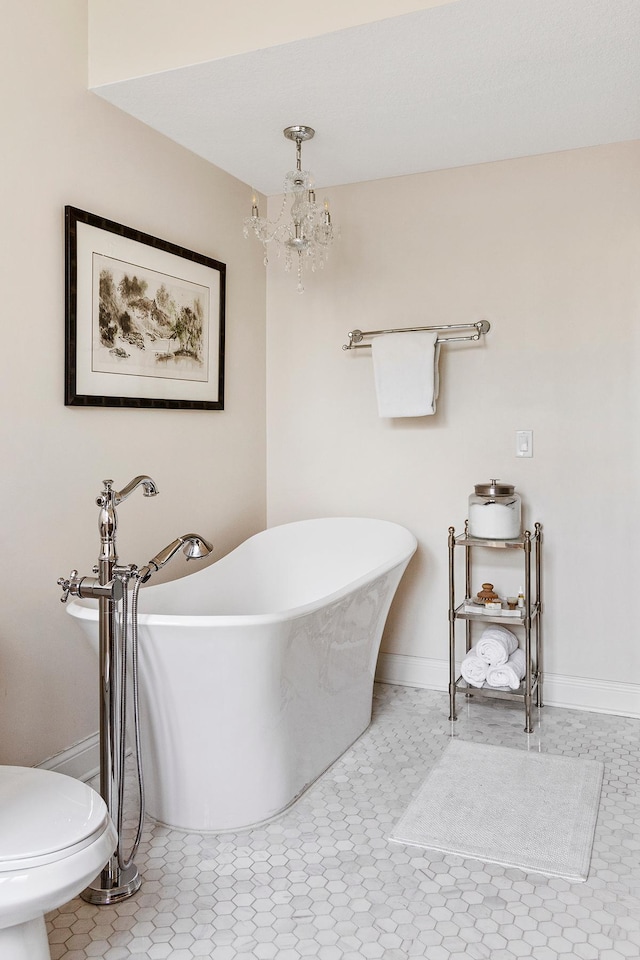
(508, 674)
(496, 645)
(474, 670)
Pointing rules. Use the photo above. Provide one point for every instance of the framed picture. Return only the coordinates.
(144, 319)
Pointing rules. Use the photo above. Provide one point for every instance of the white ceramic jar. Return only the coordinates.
(494, 512)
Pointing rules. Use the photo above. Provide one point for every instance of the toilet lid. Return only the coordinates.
(42, 812)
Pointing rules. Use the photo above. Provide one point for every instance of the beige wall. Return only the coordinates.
(547, 248)
(63, 145)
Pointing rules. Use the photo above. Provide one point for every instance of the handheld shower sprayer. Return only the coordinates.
(193, 546)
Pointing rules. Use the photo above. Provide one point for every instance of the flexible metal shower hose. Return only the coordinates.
(125, 624)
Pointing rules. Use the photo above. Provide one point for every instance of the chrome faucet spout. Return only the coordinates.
(149, 488)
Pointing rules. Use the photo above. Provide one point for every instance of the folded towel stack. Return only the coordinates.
(495, 660)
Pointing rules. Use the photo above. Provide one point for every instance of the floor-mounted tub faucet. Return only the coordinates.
(114, 883)
(120, 877)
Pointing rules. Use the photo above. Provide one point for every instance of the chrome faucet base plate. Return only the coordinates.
(129, 884)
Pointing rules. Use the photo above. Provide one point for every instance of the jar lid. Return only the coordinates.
(494, 489)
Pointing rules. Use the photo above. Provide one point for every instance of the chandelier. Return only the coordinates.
(304, 233)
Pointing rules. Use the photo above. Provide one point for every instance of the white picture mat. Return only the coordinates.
(90, 240)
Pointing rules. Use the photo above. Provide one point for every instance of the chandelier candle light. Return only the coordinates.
(307, 230)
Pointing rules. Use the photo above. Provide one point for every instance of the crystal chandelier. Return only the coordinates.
(305, 233)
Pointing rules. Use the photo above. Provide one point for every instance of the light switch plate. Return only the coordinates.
(524, 443)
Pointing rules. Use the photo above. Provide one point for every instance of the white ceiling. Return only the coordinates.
(468, 82)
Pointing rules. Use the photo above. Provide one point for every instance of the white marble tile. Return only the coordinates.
(322, 880)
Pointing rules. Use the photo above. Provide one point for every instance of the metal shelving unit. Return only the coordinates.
(531, 622)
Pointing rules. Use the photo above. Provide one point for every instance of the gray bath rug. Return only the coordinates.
(535, 811)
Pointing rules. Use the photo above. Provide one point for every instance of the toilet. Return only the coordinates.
(56, 835)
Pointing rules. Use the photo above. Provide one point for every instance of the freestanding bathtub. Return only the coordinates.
(256, 672)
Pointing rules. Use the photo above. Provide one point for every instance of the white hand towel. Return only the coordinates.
(496, 645)
(474, 670)
(405, 369)
(508, 674)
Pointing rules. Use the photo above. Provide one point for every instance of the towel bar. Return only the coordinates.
(481, 327)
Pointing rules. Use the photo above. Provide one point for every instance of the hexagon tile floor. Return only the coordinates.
(322, 880)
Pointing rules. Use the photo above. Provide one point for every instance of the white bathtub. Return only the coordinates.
(256, 672)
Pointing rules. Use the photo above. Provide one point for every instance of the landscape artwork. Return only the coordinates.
(148, 324)
(144, 319)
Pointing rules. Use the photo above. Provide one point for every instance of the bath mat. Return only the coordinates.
(535, 811)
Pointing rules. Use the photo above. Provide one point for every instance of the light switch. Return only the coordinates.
(524, 443)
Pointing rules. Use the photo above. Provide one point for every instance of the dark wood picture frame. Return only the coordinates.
(144, 319)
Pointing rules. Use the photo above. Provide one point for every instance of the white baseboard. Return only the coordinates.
(578, 693)
(81, 761)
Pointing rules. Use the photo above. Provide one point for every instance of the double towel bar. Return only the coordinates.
(480, 327)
